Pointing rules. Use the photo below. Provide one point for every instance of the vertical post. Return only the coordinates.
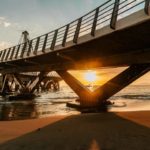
(114, 15)
(23, 49)
(8, 52)
(4, 88)
(30, 47)
(76, 35)
(65, 36)
(37, 45)
(12, 53)
(45, 42)
(54, 40)
(0, 54)
(3, 54)
(95, 22)
(146, 8)
(17, 51)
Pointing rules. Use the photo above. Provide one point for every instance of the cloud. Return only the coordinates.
(4, 44)
(7, 24)
(89, 2)
(4, 22)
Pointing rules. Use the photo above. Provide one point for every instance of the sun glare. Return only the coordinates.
(90, 76)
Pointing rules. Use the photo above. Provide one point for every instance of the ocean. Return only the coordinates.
(132, 98)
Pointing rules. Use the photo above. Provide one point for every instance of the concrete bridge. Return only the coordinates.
(114, 34)
(19, 84)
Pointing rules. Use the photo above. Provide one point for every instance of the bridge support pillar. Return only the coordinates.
(98, 98)
(86, 98)
(21, 87)
(51, 85)
(5, 85)
(36, 82)
(32, 84)
(18, 81)
(120, 81)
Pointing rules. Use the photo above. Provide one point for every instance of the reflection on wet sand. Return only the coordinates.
(30, 110)
(133, 98)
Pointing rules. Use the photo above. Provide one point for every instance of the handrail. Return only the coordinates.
(105, 14)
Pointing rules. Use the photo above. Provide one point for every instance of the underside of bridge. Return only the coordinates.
(87, 99)
(98, 98)
(27, 85)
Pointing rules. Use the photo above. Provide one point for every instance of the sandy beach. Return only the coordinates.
(101, 131)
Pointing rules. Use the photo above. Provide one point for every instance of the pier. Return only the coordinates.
(114, 34)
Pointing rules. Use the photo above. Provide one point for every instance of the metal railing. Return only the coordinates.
(106, 14)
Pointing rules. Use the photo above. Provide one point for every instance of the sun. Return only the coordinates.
(90, 76)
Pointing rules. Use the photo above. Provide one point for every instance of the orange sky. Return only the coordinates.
(103, 75)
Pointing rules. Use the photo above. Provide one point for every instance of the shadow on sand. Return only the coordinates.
(103, 131)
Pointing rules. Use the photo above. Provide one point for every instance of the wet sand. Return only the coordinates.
(102, 131)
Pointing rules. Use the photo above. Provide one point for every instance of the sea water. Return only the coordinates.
(132, 98)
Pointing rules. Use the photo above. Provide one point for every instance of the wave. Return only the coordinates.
(133, 96)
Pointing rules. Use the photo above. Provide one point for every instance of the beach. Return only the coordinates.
(95, 131)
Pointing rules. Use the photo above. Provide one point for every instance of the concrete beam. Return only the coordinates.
(85, 95)
(18, 80)
(99, 97)
(4, 84)
(120, 81)
(37, 81)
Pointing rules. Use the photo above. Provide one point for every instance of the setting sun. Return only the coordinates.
(90, 76)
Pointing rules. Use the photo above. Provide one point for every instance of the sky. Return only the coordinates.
(105, 74)
(38, 16)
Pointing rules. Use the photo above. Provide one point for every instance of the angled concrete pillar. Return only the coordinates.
(31, 85)
(120, 81)
(37, 81)
(21, 87)
(99, 97)
(18, 80)
(5, 87)
(4, 77)
(12, 85)
(56, 86)
(85, 95)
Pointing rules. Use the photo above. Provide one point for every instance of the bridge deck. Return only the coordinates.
(126, 45)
